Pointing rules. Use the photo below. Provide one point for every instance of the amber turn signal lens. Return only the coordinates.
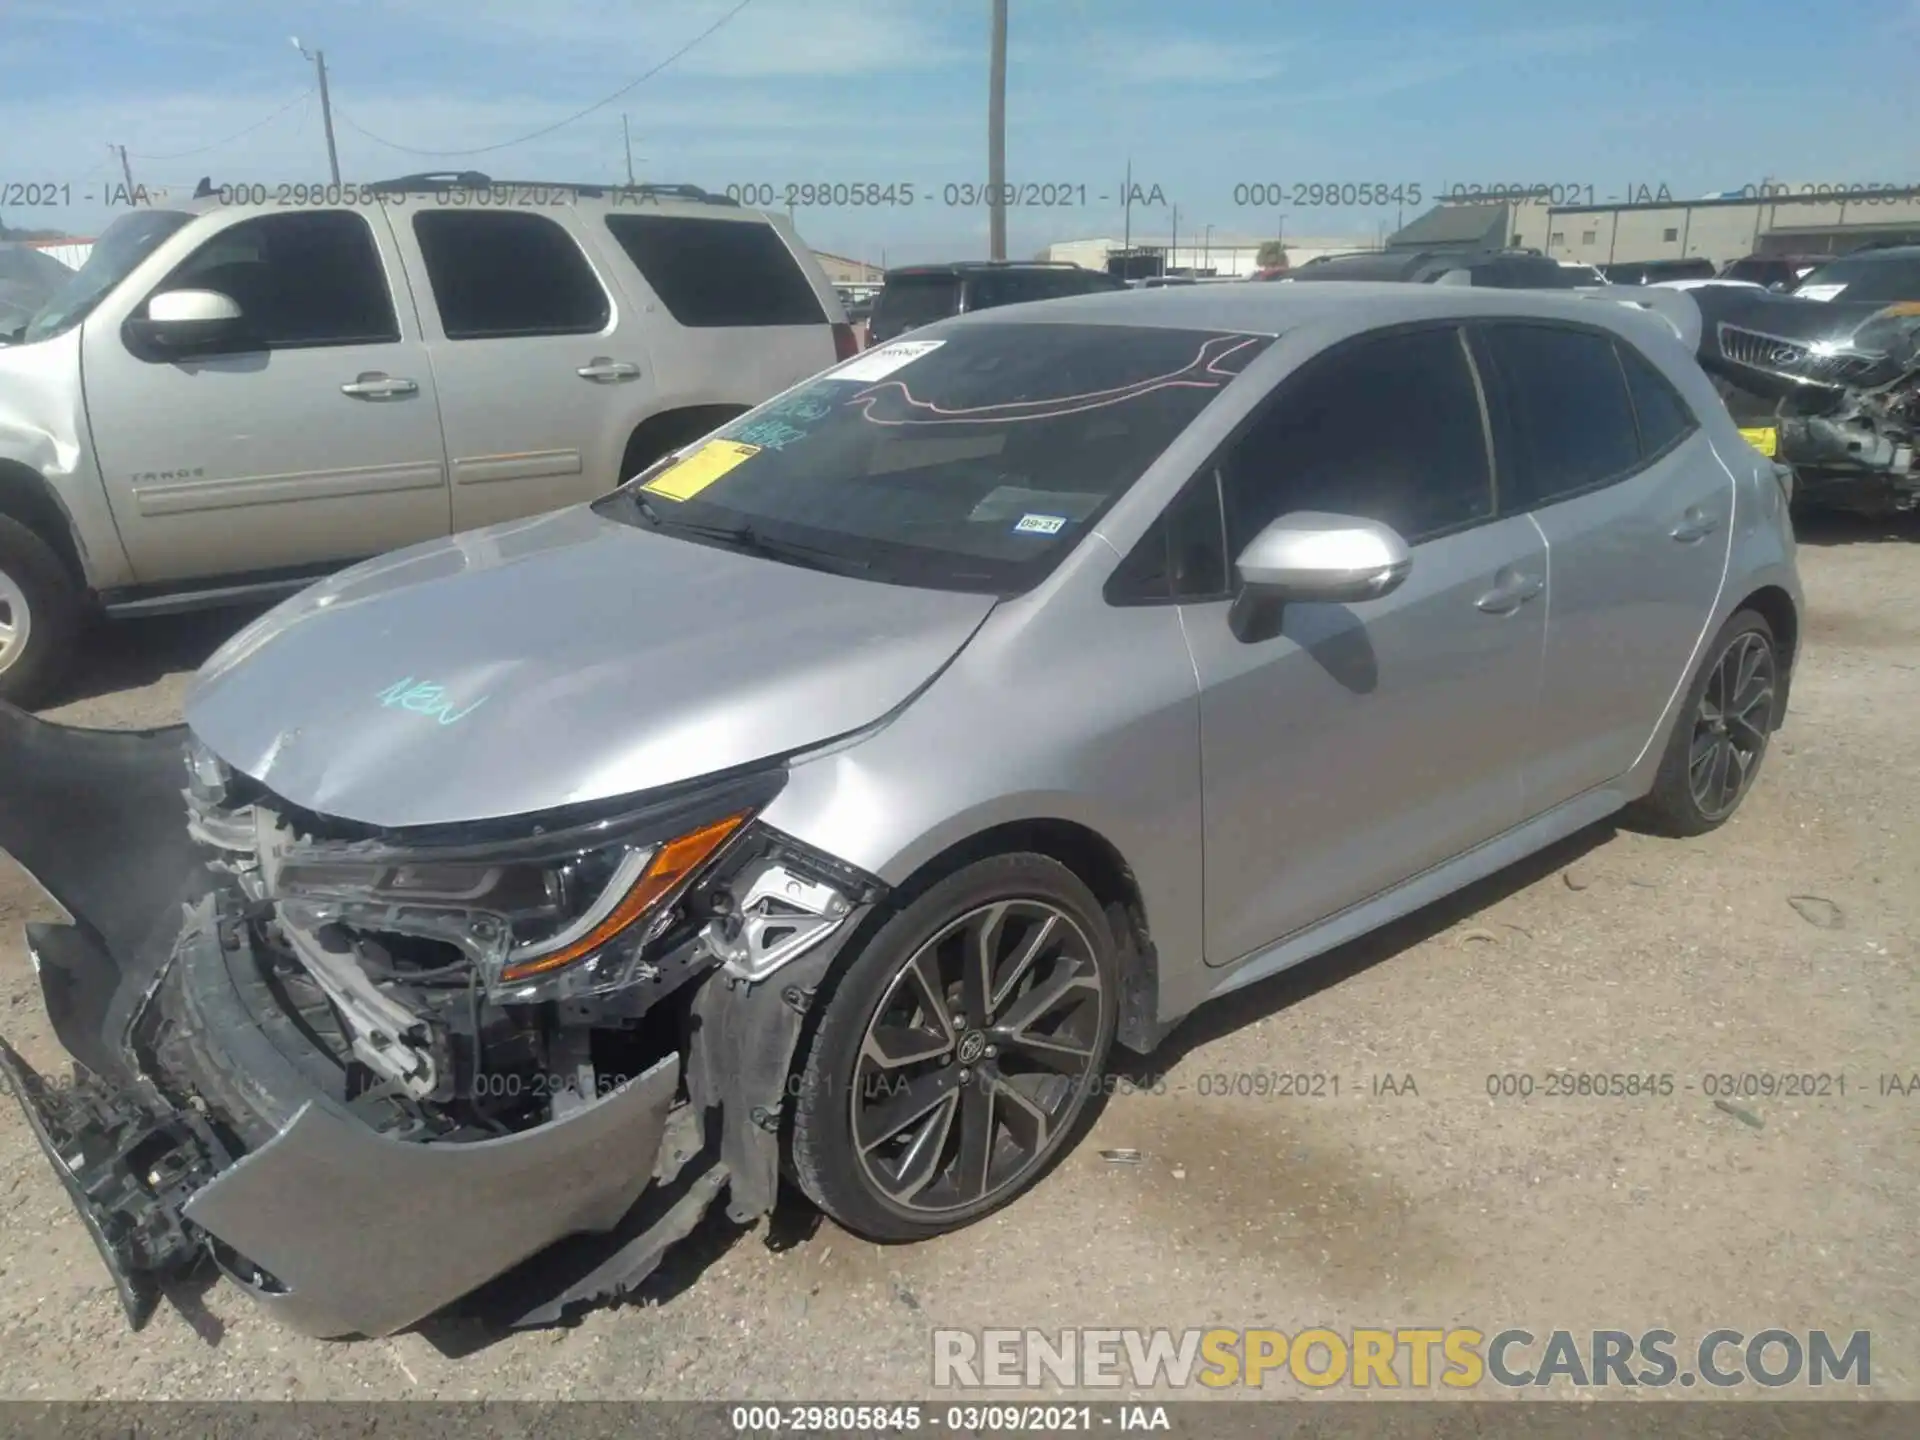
(677, 859)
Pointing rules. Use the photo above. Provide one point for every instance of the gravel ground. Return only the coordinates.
(1783, 942)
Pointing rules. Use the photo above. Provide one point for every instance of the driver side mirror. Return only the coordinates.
(180, 323)
(1311, 555)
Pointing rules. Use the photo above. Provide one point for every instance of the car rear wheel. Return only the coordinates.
(1721, 735)
(956, 1054)
(39, 615)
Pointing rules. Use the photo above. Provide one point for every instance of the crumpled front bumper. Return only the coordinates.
(202, 1122)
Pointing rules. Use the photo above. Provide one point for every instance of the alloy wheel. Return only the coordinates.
(974, 1063)
(16, 622)
(1730, 728)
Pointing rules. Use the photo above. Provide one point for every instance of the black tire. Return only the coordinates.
(34, 583)
(1676, 806)
(824, 1158)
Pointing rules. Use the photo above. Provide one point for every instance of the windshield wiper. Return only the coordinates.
(749, 540)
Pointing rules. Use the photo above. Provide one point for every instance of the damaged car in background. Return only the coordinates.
(826, 803)
(1826, 379)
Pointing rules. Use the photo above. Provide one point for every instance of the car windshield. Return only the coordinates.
(971, 461)
(121, 247)
(1863, 277)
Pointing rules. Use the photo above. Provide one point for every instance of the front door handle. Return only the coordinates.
(1696, 524)
(1513, 590)
(376, 385)
(605, 367)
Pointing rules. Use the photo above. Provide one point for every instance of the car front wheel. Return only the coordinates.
(39, 615)
(957, 1052)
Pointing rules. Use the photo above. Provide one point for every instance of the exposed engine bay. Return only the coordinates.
(1835, 385)
(365, 1071)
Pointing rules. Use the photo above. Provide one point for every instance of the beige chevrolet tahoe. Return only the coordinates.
(243, 392)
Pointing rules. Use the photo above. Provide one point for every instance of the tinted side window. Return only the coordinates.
(1568, 422)
(1387, 428)
(718, 272)
(508, 273)
(1181, 557)
(1016, 288)
(1663, 417)
(300, 279)
(911, 300)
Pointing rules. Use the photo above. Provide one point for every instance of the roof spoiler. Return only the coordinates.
(1677, 307)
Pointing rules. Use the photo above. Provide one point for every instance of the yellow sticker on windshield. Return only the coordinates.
(1763, 438)
(700, 469)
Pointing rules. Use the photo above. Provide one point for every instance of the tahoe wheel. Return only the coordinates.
(957, 1052)
(1721, 735)
(39, 615)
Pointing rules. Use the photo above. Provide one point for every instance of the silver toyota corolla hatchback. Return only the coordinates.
(831, 799)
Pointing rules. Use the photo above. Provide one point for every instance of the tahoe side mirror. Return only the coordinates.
(1309, 555)
(186, 322)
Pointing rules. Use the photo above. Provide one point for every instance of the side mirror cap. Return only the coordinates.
(1311, 555)
(184, 322)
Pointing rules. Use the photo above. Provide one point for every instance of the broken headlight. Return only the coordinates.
(567, 913)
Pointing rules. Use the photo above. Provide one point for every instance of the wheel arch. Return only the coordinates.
(27, 497)
(1101, 866)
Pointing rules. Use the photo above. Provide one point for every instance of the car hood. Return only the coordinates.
(1790, 317)
(554, 662)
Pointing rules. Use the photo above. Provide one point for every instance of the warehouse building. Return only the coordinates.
(1723, 229)
(844, 270)
(1791, 220)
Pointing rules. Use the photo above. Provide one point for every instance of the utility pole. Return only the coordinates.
(997, 136)
(125, 168)
(319, 58)
(627, 140)
(1126, 211)
(1173, 245)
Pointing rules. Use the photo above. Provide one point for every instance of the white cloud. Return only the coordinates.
(1187, 60)
(770, 38)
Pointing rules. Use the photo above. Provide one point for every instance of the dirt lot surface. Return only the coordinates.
(1784, 943)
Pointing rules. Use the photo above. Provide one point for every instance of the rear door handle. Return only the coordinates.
(1696, 524)
(605, 367)
(1514, 589)
(375, 385)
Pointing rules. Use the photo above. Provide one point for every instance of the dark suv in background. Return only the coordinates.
(1775, 272)
(917, 295)
(1493, 269)
(1651, 272)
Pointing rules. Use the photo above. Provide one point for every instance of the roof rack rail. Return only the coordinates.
(476, 180)
(594, 189)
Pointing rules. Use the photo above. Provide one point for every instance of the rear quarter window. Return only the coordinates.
(911, 300)
(718, 273)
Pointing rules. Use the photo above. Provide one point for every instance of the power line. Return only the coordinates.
(238, 134)
(348, 120)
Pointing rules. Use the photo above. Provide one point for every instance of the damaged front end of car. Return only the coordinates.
(1834, 396)
(367, 1071)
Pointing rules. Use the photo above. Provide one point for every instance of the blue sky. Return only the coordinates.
(1202, 95)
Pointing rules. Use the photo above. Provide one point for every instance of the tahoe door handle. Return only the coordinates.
(1696, 524)
(374, 385)
(1513, 591)
(605, 367)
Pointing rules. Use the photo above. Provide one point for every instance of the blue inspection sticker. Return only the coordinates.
(1040, 524)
